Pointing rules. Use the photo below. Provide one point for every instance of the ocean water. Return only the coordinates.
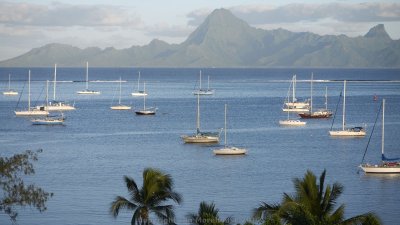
(83, 162)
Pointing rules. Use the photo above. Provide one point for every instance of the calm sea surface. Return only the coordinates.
(83, 162)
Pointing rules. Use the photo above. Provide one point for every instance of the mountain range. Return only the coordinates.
(224, 40)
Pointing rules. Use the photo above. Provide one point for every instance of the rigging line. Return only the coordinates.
(23, 87)
(370, 136)
(337, 106)
(112, 101)
(41, 92)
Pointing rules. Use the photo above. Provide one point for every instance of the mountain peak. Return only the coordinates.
(378, 31)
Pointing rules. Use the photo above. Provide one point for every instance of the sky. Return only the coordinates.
(124, 23)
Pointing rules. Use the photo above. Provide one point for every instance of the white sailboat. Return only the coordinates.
(202, 91)
(120, 106)
(387, 165)
(229, 150)
(49, 120)
(87, 91)
(320, 113)
(138, 92)
(146, 111)
(347, 132)
(10, 92)
(37, 111)
(200, 137)
(57, 105)
(291, 122)
(294, 105)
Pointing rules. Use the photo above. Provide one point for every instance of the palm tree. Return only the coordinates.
(207, 215)
(157, 188)
(311, 203)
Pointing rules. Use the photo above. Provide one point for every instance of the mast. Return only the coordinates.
(47, 92)
(55, 81)
(312, 75)
(294, 88)
(29, 90)
(119, 100)
(225, 125)
(208, 83)
(87, 75)
(138, 82)
(198, 115)
(9, 81)
(144, 96)
(344, 104)
(326, 98)
(383, 127)
(200, 81)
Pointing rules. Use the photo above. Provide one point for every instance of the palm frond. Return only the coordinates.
(121, 203)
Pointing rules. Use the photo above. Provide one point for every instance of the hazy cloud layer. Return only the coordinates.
(58, 14)
(299, 12)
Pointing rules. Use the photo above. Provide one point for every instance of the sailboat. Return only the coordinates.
(138, 92)
(347, 132)
(10, 92)
(146, 111)
(200, 137)
(120, 106)
(229, 150)
(291, 122)
(87, 91)
(387, 165)
(294, 105)
(31, 111)
(57, 105)
(321, 113)
(202, 91)
(49, 120)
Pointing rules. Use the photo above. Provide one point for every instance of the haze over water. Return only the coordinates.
(83, 162)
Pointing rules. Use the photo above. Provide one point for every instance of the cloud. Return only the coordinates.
(166, 30)
(257, 14)
(58, 14)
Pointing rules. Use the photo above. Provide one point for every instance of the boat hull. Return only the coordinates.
(347, 133)
(145, 112)
(88, 92)
(295, 109)
(200, 139)
(10, 93)
(315, 115)
(47, 122)
(138, 94)
(31, 113)
(59, 107)
(120, 107)
(230, 151)
(380, 168)
(297, 104)
(292, 122)
(203, 92)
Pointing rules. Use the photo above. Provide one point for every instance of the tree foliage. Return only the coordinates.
(14, 192)
(207, 215)
(157, 188)
(311, 204)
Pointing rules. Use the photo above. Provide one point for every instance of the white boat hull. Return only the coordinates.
(61, 107)
(47, 121)
(297, 104)
(295, 109)
(230, 151)
(10, 93)
(203, 92)
(380, 168)
(138, 94)
(347, 133)
(120, 107)
(31, 113)
(200, 139)
(292, 122)
(88, 92)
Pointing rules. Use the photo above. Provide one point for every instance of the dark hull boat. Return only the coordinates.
(316, 115)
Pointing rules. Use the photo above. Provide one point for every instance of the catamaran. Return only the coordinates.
(57, 105)
(347, 132)
(120, 106)
(202, 91)
(10, 92)
(320, 113)
(387, 165)
(294, 105)
(146, 111)
(37, 111)
(138, 92)
(229, 150)
(87, 91)
(200, 137)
